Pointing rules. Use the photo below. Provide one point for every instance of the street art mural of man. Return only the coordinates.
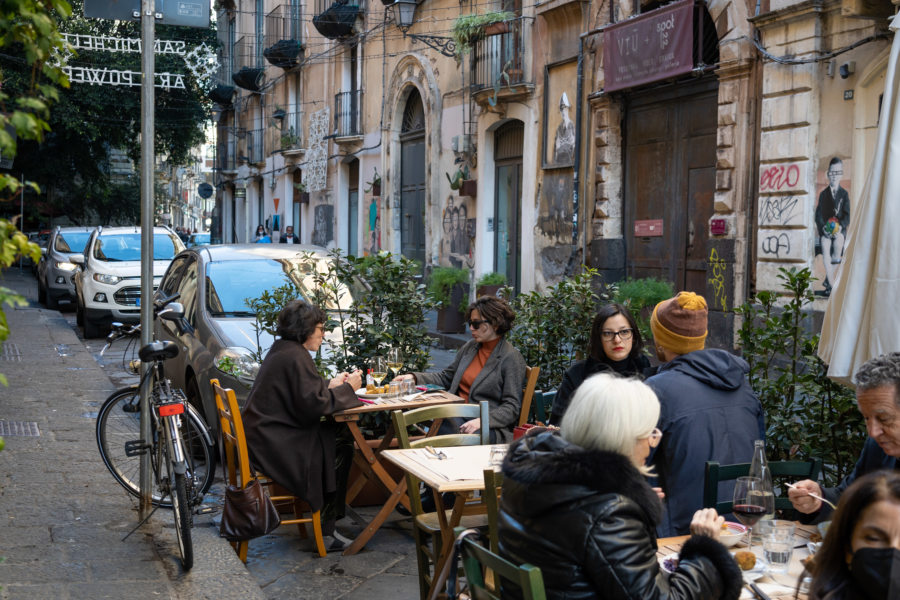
(832, 217)
(323, 234)
(564, 142)
(374, 234)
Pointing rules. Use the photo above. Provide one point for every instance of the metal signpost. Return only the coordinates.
(171, 12)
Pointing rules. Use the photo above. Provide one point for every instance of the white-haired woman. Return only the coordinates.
(577, 504)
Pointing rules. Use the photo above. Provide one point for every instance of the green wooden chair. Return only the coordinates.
(426, 526)
(493, 482)
(481, 567)
(782, 471)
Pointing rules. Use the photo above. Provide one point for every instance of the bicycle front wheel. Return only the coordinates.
(119, 422)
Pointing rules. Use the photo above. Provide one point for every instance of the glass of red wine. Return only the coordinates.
(749, 506)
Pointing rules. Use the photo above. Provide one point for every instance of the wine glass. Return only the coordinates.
(379, 370)
(393, 361)
(749, 506)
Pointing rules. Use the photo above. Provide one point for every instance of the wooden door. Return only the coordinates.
(412, 180)
(670, 162)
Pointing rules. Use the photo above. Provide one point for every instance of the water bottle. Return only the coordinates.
(759, 467)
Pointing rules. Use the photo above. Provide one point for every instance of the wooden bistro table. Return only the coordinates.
(776, 586)
(369, 459)
(461, 472)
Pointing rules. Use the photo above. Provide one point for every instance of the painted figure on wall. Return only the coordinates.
(374, 233)
(447, 237)
(323, 233)
(556, 217)
(564, 142)
(832, 218)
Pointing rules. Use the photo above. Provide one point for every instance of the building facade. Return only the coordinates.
(690, 141)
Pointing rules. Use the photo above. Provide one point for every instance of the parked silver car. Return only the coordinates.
(55, 270)
(214, 284)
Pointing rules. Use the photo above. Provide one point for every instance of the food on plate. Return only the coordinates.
(745, 560)
(815, 537)
(808, 562)
(670, 564)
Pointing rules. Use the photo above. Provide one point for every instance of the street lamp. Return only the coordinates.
(403, 13)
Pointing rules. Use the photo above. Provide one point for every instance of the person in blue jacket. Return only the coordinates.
(708, 412)
(878, 399)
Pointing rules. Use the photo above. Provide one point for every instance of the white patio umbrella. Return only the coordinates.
(862, 319)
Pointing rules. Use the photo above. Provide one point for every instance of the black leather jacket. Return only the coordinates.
(587, 518)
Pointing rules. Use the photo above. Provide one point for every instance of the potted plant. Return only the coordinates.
(449, 288)
(468, 29)
(374, 187)
(303, 195)
(489, 284)
(289, 139)
(278, 113)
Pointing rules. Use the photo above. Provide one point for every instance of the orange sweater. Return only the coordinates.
(475, 367)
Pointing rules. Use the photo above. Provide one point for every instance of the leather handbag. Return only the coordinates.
(248, 513)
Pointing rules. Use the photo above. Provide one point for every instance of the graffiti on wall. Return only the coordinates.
(323, 231)
(373, 227)
(555, 220)
(458, 239)
(717, 270)
(832, 217)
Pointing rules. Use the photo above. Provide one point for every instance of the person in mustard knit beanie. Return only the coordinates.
(707, 409)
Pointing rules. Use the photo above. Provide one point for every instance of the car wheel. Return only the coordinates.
(192, 391)
(79, 313)
(92, 329)
(51, 303)
(42, 294)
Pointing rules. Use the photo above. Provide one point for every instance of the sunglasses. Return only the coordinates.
(476, 323)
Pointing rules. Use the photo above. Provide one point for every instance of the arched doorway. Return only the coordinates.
(508, 144)
(412, 179)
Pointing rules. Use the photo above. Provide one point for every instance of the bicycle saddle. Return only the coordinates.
(158, 351)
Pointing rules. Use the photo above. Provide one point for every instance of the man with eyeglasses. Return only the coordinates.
(708, 412)
(832, 220)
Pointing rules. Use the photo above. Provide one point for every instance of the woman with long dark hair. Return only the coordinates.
(615, 346)
(860, 557)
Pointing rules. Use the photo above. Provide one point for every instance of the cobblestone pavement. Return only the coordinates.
(64, 520)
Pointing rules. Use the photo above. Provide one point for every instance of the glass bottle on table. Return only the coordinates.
(759, 467)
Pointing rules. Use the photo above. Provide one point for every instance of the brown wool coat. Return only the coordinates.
(282, 419)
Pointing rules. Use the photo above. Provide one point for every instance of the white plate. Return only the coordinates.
(361, 392)
(758, 570)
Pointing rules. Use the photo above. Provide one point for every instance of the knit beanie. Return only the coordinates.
(679, 323)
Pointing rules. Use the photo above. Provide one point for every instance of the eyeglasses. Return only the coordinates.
(476, 323)
(654, 438)
(322, 327)
(624, 334)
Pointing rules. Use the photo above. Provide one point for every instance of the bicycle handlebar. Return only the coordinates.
(120, 331)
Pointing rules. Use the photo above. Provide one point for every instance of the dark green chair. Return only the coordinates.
(493, 482)
(492, 577)
(782, 471)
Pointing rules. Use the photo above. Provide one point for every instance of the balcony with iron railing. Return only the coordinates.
(336, 19)
(222, 89)
(227, 150)
(284, 41)
(290, 139)
(499, 69)
(347, 115)
(248, 70)
(256, 152)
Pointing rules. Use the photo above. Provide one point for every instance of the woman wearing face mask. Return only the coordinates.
(860, 557)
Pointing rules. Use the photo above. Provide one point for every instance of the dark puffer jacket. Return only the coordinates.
(587, 518)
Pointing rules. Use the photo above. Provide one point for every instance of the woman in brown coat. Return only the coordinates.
(287, 435)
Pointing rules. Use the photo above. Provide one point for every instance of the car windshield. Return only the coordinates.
(229, 284)
(127, 246)
(71, 241)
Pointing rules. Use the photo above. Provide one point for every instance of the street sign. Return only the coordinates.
(188, 13)
(205, 190)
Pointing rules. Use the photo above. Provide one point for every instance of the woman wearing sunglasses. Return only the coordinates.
(486, 368)
(615, 347)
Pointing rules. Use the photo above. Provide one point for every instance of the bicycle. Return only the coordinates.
(181, 449)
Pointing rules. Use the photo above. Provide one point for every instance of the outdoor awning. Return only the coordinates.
(861, 320)
(661, 44)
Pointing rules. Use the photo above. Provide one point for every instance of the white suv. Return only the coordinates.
(108, 286)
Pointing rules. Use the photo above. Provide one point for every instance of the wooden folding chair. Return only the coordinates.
(426, 526)
(781, 470)
(493, 482)
(531, 377)
(237, 465)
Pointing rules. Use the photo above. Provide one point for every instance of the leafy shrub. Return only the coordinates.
(552, 329)
(807, 414)
(640, 296)
(491, 279)
(441, 283)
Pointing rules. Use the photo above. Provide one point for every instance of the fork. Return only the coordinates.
(816, 496)
(439, 454)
